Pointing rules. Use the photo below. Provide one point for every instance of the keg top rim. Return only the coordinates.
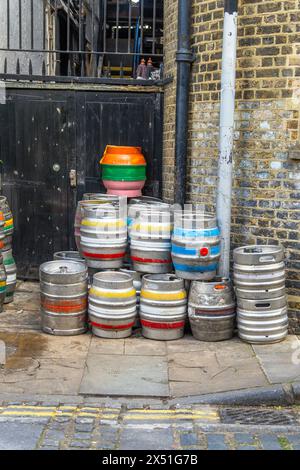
(168, 277)
(194, 214)
(112, 276)
(257, 249)
(65, 254)
(62, 267)
(90, 203)
(104, 195)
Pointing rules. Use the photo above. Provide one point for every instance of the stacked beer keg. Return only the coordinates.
(6, 250)
(259, 278)
(64, 290)
(212, 310)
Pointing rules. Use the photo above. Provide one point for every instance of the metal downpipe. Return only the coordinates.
(224, 188)
(184, 58)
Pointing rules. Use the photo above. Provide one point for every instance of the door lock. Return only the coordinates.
(73, 178)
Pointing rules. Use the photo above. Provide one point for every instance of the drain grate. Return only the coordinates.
(260, 416)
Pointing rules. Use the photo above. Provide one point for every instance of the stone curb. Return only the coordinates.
(281, 394)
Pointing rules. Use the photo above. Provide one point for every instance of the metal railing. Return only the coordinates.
(82, 39)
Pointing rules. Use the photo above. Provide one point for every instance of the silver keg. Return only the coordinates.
(262, 321)
(69, 255)
(64, 290)
(89, 200)
(150, 241)
(137, 284)
(195, 245)
(112, 304)
(163, 307)
(211, 310)
(103, 236)
(259, 272)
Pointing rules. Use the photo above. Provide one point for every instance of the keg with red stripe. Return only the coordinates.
(64, 289)
(212, 310)
(90, 199)
(112, 304)
(103, 236)
(163, 307)
(150, 241)
(137, 284)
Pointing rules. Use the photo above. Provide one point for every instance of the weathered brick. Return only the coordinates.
(266, 184)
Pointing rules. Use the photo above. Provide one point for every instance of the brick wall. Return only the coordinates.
(266, 198)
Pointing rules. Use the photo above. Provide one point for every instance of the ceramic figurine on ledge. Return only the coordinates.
(141, 72)
(150, 68)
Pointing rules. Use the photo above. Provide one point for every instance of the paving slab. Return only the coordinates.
(20, 319)
(41, 345)
(24, 300)
(144, 347)
(212, 375)
(289, 345)
(106, 346)
(280, 361)
(125, 375)
(234, 346)
(42, 376)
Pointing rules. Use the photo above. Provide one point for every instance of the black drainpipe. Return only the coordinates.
(184, 58)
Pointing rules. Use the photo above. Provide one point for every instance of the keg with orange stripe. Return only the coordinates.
(212, 310)
(103, 236)
(64, 289)
(112, 304)
(163, 307)
(150, 241)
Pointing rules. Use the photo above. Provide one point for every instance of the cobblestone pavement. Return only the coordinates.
(42, 426)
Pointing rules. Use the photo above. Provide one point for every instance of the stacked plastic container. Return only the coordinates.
(259, 278)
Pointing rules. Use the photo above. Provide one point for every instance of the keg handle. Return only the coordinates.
(63, 269)
(266, 259)
(253, 250)
(263, 305)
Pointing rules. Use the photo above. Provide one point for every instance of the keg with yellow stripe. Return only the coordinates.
(64, 290)
(137, 284)
(112, 304)
(103, 237)
(2, 283)
(91, 199)
(163, 307)
(150, 241)
(11, 275)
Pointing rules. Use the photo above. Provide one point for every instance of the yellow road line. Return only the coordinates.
(167, 417)
(108, 413)
(185, 411)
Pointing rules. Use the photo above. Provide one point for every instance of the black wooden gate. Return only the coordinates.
(45, 133)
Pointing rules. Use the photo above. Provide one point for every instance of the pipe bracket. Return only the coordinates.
(184, 55)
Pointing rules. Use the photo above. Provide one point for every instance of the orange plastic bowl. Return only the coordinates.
(119, 155)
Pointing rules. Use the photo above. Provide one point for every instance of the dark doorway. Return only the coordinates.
(44, 134)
